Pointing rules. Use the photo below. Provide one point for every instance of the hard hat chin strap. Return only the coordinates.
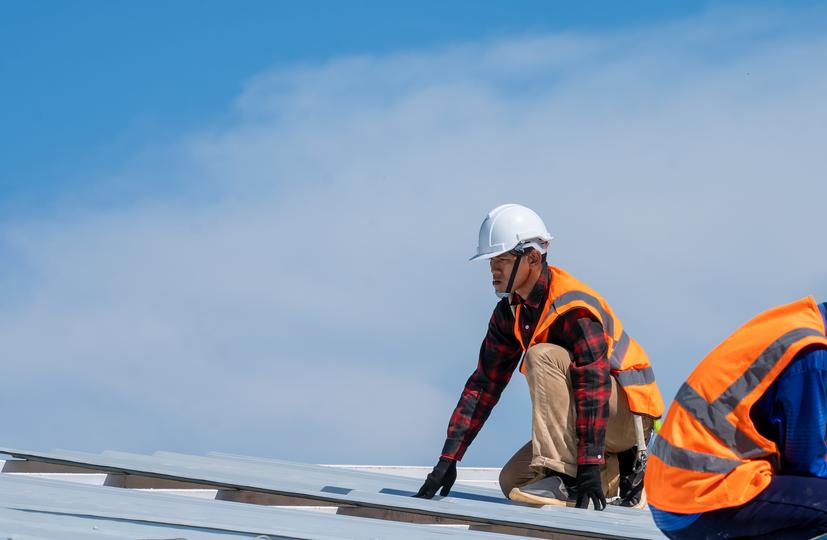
(513, 272)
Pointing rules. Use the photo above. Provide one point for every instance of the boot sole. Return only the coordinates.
(516, 495)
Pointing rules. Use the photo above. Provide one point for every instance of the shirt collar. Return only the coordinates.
(538, 294)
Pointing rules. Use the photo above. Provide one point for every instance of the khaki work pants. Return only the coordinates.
(553, 442)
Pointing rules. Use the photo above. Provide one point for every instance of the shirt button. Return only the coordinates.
(526, 327)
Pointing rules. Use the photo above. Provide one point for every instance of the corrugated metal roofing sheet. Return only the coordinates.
(474, 505)
(35, 504)
(28, 525)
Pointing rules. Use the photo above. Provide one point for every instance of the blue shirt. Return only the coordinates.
(793, 414)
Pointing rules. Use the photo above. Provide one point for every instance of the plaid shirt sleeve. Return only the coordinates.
(499, 355)
(579, 332)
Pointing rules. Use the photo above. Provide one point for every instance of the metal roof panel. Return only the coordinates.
(40, 497)
(477, 505)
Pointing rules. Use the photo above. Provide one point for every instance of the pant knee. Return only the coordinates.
(506, 481)
(517, 471)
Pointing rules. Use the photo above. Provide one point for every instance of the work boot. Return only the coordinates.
(632, 467)
(552, 489)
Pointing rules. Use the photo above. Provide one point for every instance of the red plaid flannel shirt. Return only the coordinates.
(577, 331)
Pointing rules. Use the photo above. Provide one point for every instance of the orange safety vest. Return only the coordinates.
(708, 454)
(628, 361)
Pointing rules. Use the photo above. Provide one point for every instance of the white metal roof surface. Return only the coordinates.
(479, 507)
(123, 511)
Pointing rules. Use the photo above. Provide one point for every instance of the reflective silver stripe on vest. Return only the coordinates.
(620, 350)
(632, 377)
(691, 460)
(621, 347)
(713, 416)
(756, 373)
(571, 296)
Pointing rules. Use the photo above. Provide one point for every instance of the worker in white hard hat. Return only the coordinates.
(593, 392)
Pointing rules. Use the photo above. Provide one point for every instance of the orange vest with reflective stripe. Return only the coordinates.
(629, 363)
(708, 454)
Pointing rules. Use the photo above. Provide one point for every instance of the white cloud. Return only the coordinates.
(303, 292)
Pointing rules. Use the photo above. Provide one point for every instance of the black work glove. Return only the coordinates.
(589, 488)
(632, 470)
(443, 475)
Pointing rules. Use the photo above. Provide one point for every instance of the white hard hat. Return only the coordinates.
(509, 226)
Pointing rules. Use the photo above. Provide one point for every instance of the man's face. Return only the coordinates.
(501, 267)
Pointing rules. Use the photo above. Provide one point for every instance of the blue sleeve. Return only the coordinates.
(800, 415)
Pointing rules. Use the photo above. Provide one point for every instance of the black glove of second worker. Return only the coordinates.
(443, 475)
(589, 488)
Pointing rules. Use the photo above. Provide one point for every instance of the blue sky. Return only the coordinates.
(246, 229)
(86, 83)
